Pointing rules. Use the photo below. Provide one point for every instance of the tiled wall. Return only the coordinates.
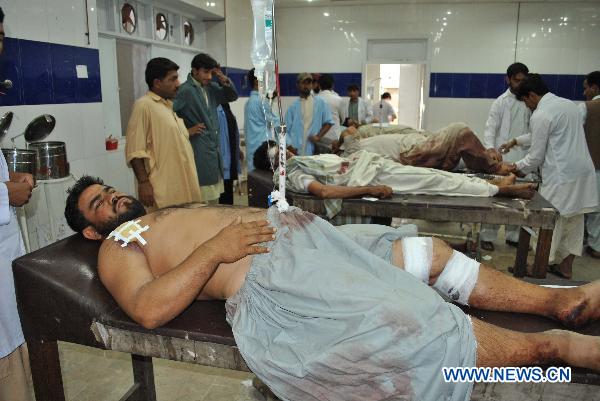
(490, 86)
(45, 41)
(45, 73)
(470, 46)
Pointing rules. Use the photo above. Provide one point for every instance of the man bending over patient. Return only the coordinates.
(325, 313)
(441, 150)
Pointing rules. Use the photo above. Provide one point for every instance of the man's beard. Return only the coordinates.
(134, 210)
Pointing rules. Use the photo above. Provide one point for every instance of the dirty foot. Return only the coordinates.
(579, 305)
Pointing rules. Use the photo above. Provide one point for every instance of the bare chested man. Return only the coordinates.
(320, 312)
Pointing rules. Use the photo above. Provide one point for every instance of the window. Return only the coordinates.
(128, 18)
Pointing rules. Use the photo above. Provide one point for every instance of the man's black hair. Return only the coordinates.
(203, 60)
(516, 68)
(386, 95)
(353, 87)
(261, 156)
(251, 78)
(73, 215)
(158, 68)
(1, 16)
(533, 83)
(326, 82)
(593, 78)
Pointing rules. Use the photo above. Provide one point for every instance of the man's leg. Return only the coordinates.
(493, 290)
(511, 235)
(488, 235)
(501, 347)
(592, 225)
(15, 376)
(568, 244)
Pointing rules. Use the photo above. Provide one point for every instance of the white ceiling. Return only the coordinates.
(309, 3)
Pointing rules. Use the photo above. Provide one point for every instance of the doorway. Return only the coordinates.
(405, 83)
(132, 58)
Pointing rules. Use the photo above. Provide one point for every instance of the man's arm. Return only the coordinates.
(342, 110)
(136, 151)
(145, 189)
(324, 129)
(582, 109)
(225, 93)
(151, 301)
(342, 192)
(540, 133)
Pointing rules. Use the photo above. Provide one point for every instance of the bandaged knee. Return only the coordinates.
(458, 278)
(418, 254)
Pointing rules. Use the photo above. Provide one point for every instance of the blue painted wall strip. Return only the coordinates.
(442, 85)
(44, 73)
(490, 86)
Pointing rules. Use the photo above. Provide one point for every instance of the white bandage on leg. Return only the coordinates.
(418, 253)
(458, 278)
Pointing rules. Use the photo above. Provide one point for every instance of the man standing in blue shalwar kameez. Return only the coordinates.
(308, 119)
(196, 103)
(255, 120)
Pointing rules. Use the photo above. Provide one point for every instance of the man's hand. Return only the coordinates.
(238, 240)
(505, 148)
(314, 138)
(22, 178)
(381, 191)
(335, 146)
(196, 129)
(494, 154)
(146, 193)
(220, 76)
(18, 192)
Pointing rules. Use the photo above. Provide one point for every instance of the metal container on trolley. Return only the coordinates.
(21, 160)
(51, 160)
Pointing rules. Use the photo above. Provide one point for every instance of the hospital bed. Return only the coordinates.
(536, 213)
(61, 298)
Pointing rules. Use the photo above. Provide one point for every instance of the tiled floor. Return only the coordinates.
(95, 375)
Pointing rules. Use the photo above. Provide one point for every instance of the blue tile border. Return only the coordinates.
(442, 84)
(490, 86)
(44, 73)
(287, 81)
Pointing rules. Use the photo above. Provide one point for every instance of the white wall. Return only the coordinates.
(477, 38)
(79, 125)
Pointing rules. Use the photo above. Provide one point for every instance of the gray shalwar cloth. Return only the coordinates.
(320, 318)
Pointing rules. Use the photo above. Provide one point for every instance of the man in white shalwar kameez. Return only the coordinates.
(508, 119)
(15, 190)
(558, 147)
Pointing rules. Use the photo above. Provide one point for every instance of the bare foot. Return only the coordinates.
(505, 181)
(524, 191)
(579, 305)
(577, 349)
(504, 169)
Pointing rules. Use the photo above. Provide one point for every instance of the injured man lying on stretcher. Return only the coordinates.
(333, 178)
(441, 150)
(320, 312)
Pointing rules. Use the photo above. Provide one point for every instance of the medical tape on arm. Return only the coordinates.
(418, 254)
(458, 278)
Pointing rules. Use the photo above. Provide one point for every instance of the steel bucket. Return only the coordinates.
(51, 160)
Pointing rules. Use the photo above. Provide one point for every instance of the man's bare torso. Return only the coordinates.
(174, 233)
